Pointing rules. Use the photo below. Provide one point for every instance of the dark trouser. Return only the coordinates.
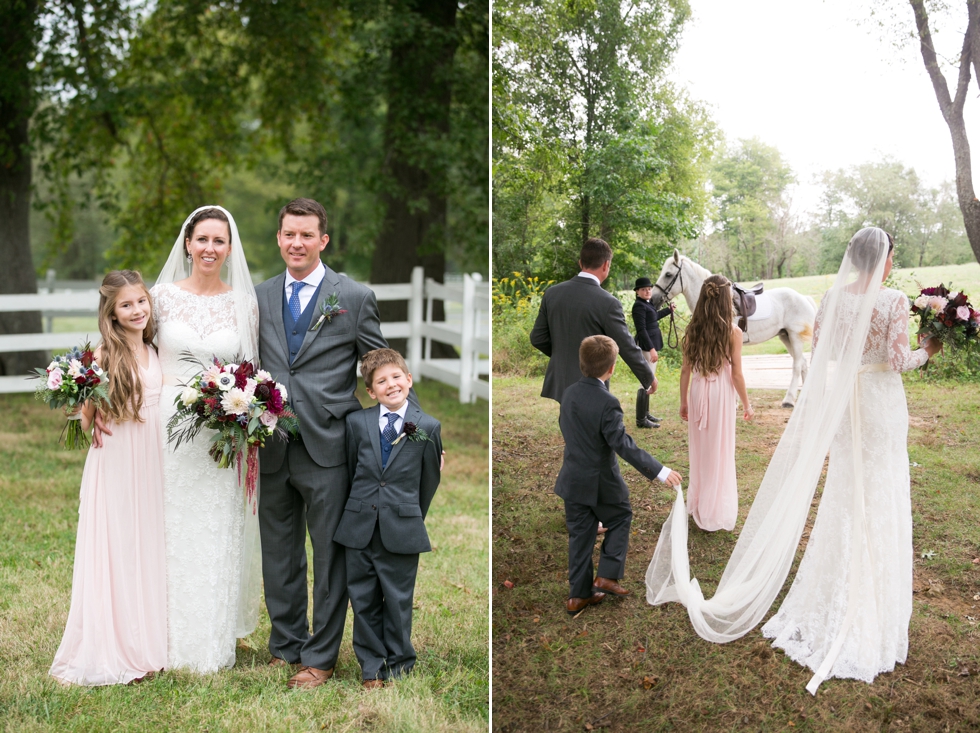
(381, 586)
(582, 522)
(302, 494)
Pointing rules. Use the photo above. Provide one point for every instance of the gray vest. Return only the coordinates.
(296, 330)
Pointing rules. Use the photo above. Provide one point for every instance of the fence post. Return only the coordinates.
(415, 307)
(466, 393)
(49, 287)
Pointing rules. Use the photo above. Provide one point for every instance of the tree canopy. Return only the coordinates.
(589, 137)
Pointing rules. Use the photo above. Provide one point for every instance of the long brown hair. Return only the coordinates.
(707, 341)
(117, 357)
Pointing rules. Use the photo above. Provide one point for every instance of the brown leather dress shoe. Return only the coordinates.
(609, 586)
(372, 684)
(309, 677)
(574, 605)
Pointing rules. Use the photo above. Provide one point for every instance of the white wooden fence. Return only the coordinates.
(470, 334)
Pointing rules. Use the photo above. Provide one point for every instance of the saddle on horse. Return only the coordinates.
(744, 299)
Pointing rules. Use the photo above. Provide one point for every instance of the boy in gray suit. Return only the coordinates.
(591, 422)
(393, 455)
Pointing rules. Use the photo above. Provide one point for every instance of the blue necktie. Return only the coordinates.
(389, 431)
(294, 308)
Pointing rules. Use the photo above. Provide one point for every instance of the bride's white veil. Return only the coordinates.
(768, 541)
(235, 273)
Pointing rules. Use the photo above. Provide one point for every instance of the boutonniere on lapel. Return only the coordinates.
(329, 307)
(413, 432)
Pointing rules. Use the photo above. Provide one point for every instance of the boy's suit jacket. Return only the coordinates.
(398, 496)
(591, 421)
(571, 311)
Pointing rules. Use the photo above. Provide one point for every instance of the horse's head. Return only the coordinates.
(670, 283)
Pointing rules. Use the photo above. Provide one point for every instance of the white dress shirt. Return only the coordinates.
(312, 282)
(383, 418)
(589, 274)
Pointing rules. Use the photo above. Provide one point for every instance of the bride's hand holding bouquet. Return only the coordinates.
(244, 405)
(945, 317)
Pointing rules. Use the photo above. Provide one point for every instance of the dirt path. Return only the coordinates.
(768, 371)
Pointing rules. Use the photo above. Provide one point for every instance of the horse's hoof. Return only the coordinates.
(790, 405)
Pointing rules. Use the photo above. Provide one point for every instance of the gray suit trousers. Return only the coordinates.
(298, 495)
(582, 522)
(382, 585)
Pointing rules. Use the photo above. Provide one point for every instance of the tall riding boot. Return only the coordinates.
(642, 405)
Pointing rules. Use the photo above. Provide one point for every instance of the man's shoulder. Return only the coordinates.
(270, 283)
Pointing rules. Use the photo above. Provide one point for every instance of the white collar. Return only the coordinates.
(313, 279)
(589, 274)
(400, 411)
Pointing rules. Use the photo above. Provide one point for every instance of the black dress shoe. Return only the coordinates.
(645, 423)
(652, 418)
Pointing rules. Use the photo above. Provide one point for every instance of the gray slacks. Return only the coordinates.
(301, 495)
(382, 586)
(582, 522)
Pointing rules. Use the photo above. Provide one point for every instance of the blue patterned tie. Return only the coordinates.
(389, 431)
(294, 308)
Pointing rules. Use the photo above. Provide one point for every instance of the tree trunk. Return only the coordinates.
(419, 95)
(17, 34)
(952, 110)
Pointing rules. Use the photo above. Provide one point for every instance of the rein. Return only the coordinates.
(672, 337)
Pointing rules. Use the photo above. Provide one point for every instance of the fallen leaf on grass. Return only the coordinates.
(641, 650)
(584, 632)
(508, 584)
(649, 682)
(976, 597)
(936, 588)
(976, 561)
(928, 555)
(463, 587)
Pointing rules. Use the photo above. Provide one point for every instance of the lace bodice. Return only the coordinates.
(888, 337)
(204, 325)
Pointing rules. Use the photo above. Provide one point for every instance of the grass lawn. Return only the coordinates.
(625, 665)
(449, 690)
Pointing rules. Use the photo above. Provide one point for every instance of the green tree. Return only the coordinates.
(579, 86)
(749, 188)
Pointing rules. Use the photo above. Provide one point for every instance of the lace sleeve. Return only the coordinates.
(900, 355)
(816, 323)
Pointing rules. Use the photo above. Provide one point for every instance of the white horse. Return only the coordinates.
(791, 318)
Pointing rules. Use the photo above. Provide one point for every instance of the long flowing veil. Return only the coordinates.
(235, 273)
(767, 544)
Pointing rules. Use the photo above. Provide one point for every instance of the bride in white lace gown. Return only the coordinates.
(211, 535)
(847, 612)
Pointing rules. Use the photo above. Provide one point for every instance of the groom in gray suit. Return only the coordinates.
(314, 325)
(577, 308)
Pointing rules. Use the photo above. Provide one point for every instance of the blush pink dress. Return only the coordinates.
(712, 493)
(117, 625)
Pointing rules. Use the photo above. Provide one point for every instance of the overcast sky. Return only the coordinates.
(817, 81)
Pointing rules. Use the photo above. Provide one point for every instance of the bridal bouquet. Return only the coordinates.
(244, 405)
(946, 316)
(67, 382)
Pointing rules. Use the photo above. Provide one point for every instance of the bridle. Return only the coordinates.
(672, 338)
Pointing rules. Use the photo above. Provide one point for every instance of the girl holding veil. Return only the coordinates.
(847, 612)
(213, 553)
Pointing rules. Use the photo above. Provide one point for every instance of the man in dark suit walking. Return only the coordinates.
(577, 308)
(591, 423)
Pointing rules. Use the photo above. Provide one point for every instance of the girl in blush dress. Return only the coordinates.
(117, 625)
(712, 369)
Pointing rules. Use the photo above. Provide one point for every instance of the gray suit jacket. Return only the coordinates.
(321, 381)
(591, 423)
(396, 497)
(571, 311)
